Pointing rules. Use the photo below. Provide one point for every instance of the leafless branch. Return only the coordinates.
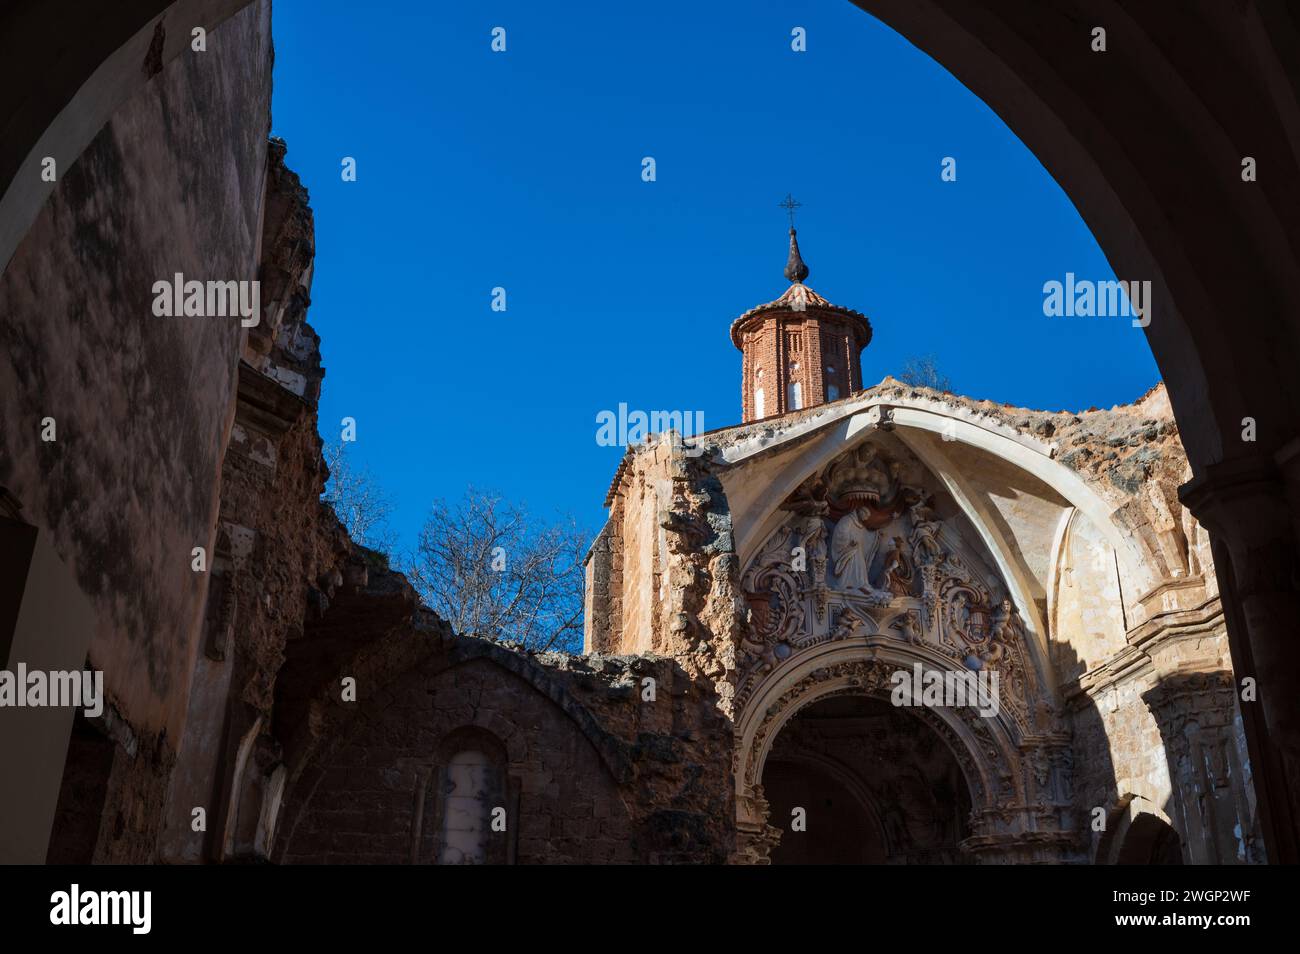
(923, 372)
(357, 499)
(491, 570)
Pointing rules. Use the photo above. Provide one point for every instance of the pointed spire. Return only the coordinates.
(795, 270)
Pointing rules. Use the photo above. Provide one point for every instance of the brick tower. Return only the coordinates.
(798, 351)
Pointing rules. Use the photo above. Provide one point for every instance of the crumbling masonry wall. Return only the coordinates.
(603, 759)
(1140, 663)
(662, 576)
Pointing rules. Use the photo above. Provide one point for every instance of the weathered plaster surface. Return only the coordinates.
(141, 403)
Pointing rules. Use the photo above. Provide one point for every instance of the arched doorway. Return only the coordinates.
(938, 817)
(869, 784)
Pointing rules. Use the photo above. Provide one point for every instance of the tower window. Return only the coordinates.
(759, 410)
(795, 396)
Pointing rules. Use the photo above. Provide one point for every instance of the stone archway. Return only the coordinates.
(1136, 809)
(854, 780)
(991, 756)
(1176, 211)
(868, 570)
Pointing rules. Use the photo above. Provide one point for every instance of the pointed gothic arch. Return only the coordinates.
(931, 430)
(830, 432)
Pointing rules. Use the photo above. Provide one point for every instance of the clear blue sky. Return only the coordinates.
(523, 170)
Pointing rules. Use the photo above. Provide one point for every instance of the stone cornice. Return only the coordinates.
(1145, 642)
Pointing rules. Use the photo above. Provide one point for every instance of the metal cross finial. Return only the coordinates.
(789, 204)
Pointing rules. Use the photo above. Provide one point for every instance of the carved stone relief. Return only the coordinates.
(862, 553)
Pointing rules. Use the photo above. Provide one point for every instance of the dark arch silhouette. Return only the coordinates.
(1150, 841)
(869, 782)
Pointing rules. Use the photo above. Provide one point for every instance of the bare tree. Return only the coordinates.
(490, 570)
(358, 500)
(923, 372)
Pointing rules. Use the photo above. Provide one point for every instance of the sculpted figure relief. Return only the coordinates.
(896, 574)
(853, 547)
(925, 533)
(864, 553)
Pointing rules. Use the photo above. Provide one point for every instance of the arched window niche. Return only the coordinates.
(466, 790)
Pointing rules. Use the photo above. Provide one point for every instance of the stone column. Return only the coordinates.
(755, 838)
(1196, 713)
(1248, 507)
(1040, 831)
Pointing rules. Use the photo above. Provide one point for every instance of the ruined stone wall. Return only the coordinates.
(1159, 726)
(642, 551)
(597, 617)
(602, 759)
(607, 758)
(670, 544)
(377, 794)
(598, 764)
(1140, 662)
(1118, 750)
(280, 552)
(602, 620)
(274, 554)
(677, 736)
